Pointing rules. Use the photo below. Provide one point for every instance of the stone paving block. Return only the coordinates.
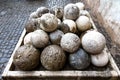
(1, 54)
(0, 76)
(3, 60)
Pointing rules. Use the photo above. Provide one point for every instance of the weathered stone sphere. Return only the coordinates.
(84, 13)
(27, 38)
(39, 38)
(64, 28)
(26, 57)
(33, 15)
(56, 36)
(48, 22)
(59, 13)
(59, 22)
(71, 11)
(71, 24)
(70, 42)
(93, 42)
(53, 57)
(31, 25)
(100, 60)
(79, 59)
(83, 23)
(80, 5)
(42, 10)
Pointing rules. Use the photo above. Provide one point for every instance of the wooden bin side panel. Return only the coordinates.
(62, 78)
(61, 75)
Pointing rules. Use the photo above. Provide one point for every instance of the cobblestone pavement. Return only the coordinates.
(13, 15)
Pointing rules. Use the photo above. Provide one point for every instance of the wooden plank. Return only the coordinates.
(113, 64)
(90, 75)
(93, 23)
(76, 73)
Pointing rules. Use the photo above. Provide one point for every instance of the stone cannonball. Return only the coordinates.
(53, 57)
(56, 36)
(48, 22)
(42, 10)
(39, 38)
(71, 24)
(79, 59)
(27, 38)
(100, 60)
(70, 42)
(83, 23)
(26, 57)
(71, 11)
(93, 42)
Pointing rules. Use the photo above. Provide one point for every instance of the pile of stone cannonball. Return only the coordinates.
(51, 34)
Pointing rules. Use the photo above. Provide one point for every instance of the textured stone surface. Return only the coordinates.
(107, 12)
